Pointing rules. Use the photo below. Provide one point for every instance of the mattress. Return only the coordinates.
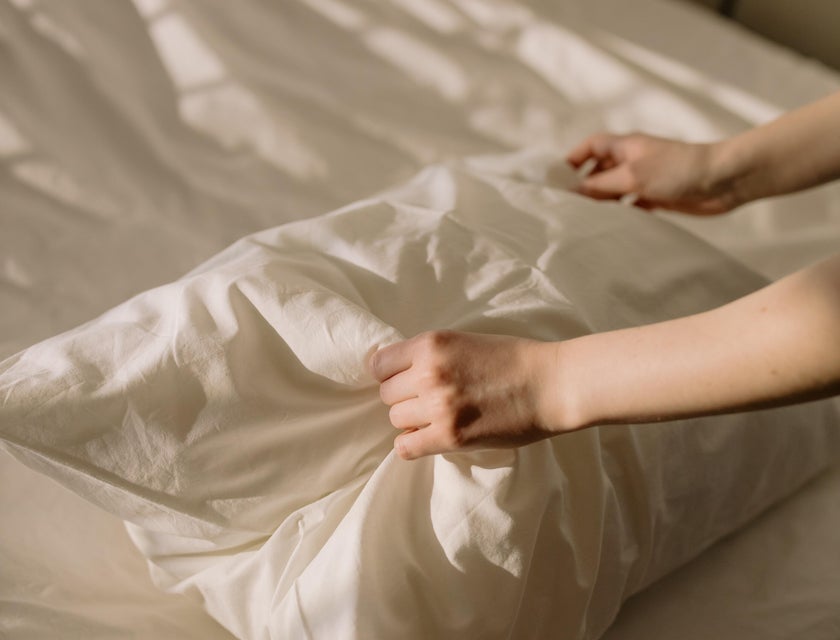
(137, 139)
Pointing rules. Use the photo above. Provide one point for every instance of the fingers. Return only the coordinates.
(598, 146)
(392, 367)
(391, 360)
(398, 388)
(603, 173)
(409, 383)
(417, 439)
(416, 444)
(409, 414)
(610, 184)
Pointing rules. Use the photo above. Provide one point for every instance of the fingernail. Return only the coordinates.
(399, 445)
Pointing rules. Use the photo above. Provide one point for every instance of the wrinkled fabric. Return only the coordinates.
(228, 417)
(139, 138)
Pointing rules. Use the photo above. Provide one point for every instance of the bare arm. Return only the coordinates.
(781, 345)
(799, 150)
(777, 346)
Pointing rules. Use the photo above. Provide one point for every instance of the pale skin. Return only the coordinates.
(451, 391)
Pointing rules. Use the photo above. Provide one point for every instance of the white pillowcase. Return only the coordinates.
(229, 419)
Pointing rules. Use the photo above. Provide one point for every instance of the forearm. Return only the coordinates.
(798, 150)
(778, 346)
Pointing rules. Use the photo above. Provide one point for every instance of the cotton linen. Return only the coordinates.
(228, 417)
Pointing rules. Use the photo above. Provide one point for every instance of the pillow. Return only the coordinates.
(228, 418)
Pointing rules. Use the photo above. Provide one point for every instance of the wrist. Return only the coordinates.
(735, 171)
(563, 404)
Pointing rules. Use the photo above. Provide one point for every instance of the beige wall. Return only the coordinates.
(811, 27)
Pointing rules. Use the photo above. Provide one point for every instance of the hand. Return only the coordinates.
(662, 173)
(452, 391)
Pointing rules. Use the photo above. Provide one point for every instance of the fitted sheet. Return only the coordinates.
(127, 159)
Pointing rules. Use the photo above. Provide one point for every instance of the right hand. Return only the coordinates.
(450, 391)
(661, 173)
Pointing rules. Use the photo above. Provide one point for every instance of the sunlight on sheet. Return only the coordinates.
(339, 13)
(749, 107)
(235, 118)
(433, 13)
(214, 104)
(149, 8)
(496, 16)
(12, 143)
(426, 65)
(57, 183)
(43, 175)
(14, 274)
(187, 59)
(558, 54)
(63, 38)
(48, 28)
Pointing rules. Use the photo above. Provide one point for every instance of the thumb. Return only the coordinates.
(416, 443)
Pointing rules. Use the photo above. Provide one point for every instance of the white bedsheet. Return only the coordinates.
(119, 172)
(228, 417)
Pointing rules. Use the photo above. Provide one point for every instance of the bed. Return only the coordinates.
(138, 139)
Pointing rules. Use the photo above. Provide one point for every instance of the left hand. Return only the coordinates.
(661, 173)
(451, 391)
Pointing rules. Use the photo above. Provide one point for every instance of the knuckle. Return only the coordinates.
(634, 176)
(403, 449)
(436, 340)
(440, 375)
(383, 393)
(446, 405)
(426, 340)
(436, 375)
(449, 399)
(437, 362)
(374, 364)
(452, 439)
